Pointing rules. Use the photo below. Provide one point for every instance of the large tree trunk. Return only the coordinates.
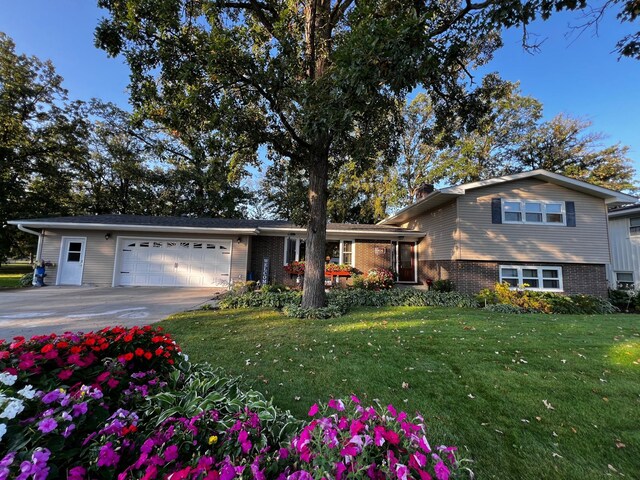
(313, 295)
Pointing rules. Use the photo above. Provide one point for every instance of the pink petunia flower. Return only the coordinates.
(313, 410)
(442, 472)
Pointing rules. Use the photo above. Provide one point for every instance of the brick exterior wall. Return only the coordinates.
(372, 254)
(471, 277)
(273, 248)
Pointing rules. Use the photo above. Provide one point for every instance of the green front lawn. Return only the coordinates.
(10, 274)
(524, 396)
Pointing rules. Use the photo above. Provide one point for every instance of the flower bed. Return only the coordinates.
(125, 403)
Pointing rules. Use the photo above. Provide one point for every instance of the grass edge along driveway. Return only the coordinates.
(523, 396)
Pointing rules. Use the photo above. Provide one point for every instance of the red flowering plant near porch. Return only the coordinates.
(338, 268)
(294, 268)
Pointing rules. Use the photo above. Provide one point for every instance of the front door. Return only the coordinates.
(406, 262)
(72, 261)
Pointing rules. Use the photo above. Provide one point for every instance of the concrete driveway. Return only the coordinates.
(39, 311)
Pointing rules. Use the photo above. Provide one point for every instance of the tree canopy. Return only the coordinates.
(316, 82)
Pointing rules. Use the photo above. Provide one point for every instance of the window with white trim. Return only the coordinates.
(634, 226)
(624, 280)
(337, 251)
(535, 212)
(532, 277)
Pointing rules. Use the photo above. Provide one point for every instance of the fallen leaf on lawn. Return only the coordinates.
(619, 444)
(563, 361)
(554, 434)
(405, 385)
(556, 455)
(612, 469)
(500, 432)
(574, 430)
(548, 405)
(484, 424)
(605, 399)
(539, 419)
(471, 396)
(524, 420)
(296, 399)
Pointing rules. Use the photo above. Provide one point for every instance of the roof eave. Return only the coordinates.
(353, 233)
(433, 200)
(137, 228)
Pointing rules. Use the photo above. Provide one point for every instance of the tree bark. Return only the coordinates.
(313, 295)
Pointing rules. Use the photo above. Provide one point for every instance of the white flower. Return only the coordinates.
(7, 378)
(13, 408)
(3, 430)
(27, 392)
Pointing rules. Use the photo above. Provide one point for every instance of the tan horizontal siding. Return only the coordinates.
(441, 233)
(587, 242)
(100, 253)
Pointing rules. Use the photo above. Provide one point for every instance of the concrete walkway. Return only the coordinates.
(40, 311)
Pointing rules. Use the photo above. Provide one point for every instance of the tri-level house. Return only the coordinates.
(537, 228)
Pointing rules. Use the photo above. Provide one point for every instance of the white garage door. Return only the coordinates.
(173, 262)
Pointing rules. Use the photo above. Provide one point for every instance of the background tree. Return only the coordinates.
(41, 135)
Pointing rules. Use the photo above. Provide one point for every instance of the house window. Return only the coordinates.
(624, 280)
(347, 252)
(532, 277)
(337, 251)
(537, 212)
(634, 226)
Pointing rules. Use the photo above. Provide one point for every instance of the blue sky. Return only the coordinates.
(579, 76)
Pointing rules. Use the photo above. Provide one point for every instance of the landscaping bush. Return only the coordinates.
(26, 280)
(400, 297)
(332, 311)
(625, 300)
(504, 308)
(261, 299)
(443, 286)
(121, 413)
(544, 302)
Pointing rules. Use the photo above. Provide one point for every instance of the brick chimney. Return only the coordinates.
(423, 191)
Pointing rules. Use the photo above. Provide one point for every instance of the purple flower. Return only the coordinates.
(41, 456)
(76, 473)
(336, 404)
(442, 472)
(107, 456)
(51, 396)
(68, 430)
(171, 453)
(300, 475)
(313, 410)
(8, 459)
(47, 425)
(79, 409)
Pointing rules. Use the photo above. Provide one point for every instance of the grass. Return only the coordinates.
(480, 379)
(10, 274)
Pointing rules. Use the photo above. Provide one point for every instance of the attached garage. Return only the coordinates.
(174, 262)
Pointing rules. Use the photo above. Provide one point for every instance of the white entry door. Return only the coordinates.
(71, 261)
(174, 262)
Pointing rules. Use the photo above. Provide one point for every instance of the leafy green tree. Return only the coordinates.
(311, 80)
(565, 145)
(41, 135)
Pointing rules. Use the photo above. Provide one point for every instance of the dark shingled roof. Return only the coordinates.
(157, 221)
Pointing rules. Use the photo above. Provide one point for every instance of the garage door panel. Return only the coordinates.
(174, 262)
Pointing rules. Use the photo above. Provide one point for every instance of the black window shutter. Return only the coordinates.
(496, 210)
(570, 209)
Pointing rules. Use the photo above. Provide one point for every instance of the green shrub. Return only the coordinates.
(625, 300)
(261, 299)
(332, 311)
(443, 286)
(400, 297)
(26, 280)
(544, 302)
(504, 308)
(244, 287)
(274, 288)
